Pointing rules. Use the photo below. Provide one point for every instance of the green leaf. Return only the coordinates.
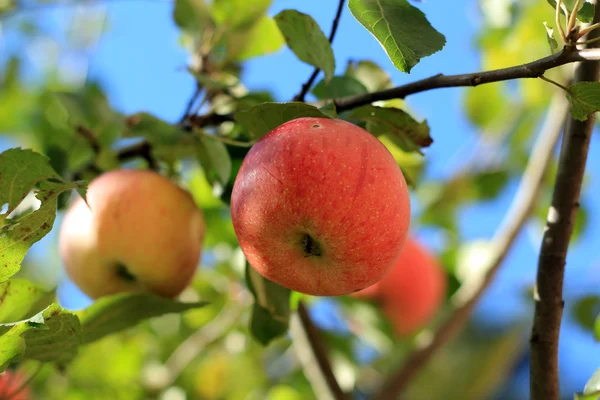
(50, 336)
(271, 310)
(60, 339)
(402, 30)
(592, 387)
(20, 171)
(329, 109)
(550, 36)
(371, 75)
(154, 129)
(585, 310)
(487, 185)
(17, 236)
(239, 14)
(192, 15)
(597, 329)
(262, 118)
(308, 42)
(260, 39)
(590, 396)
(338, 86)
(215, 160)
(111, 314)
(396, 124)
(12, 344)
(584, 98)
(585, 13)
(20, 299)
(169, 142)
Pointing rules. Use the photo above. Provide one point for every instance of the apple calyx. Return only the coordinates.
(124, 273)
(310, 246)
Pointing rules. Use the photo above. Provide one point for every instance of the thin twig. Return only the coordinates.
(559, 27)
(224, 139)
(533, 69)
(566, 89)
(471, 291)
(549, 303)
(306, 86)
(88, 135)
(313, 356)
(190, 103)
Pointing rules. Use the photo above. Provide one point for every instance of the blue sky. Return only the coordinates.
(142, 68)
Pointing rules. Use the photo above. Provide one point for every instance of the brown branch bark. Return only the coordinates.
(306, 86)
(470, 293)
(313, 356)
(533, 69)
(549, 303)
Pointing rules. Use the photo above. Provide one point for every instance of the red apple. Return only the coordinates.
(321, 207)
(10, 382)
(413, 291)
(141, 232)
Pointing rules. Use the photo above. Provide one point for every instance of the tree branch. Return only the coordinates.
(549, 303)
(471, 291)
(306, 87)
(533, 69)
(313, 356)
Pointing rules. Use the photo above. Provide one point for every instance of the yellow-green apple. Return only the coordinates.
(321, 207)
(11, 386)
(413, 291)
(141, 232)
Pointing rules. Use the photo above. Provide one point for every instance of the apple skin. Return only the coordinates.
(138, 220)
(413, 291)
(321, 207)
(11, 381)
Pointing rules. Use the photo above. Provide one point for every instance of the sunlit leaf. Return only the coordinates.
(260, 39)
(20, 299)
(239, 13)
(308, 42)
(402, 30)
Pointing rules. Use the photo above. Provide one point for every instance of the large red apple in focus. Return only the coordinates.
(321, 207)
(140, 232)
(413, 291)
(10, 382)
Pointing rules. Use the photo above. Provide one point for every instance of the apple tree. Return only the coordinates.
(297, 246)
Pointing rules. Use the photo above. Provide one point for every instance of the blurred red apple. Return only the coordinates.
(141, 232)
(413, 291)
(10, 382)
(321, 207)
